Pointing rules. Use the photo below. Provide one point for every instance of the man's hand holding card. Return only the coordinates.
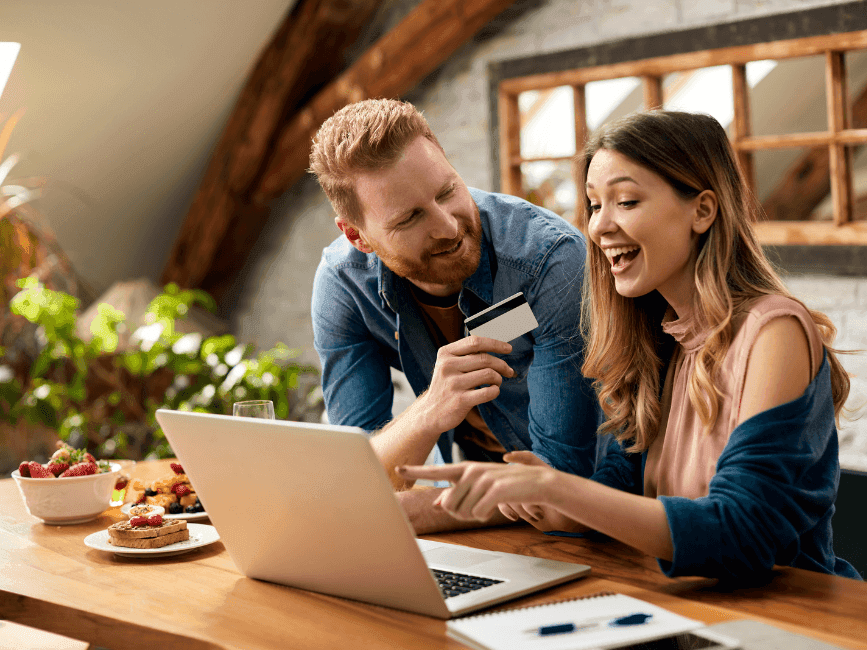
(505, 321)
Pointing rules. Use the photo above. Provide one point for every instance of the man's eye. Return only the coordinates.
(447, 192)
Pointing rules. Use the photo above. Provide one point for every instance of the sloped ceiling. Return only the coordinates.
(123, 104)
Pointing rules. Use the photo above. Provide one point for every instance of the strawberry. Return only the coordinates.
(155, 520)
(135, 522)
(142, 498)
(38, 471)
(180, 489)
(121, 483)
(88, 458)
(57, 468)
(176, 468)
(80, 469)
(24, 469)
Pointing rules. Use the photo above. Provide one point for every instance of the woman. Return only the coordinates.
(720, 389)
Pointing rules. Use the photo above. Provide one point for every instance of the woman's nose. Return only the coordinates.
(600, 224)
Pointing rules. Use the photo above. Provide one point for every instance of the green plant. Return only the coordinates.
(97, 397)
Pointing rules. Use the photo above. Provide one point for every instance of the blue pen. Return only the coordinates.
(569, 628)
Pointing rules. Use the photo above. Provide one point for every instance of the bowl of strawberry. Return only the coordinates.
(71, 488)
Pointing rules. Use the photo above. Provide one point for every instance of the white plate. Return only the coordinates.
(194, 516)
(200, 535)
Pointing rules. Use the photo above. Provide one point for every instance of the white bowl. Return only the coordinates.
(70, 500)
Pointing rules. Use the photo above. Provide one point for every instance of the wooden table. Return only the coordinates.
(49, 580)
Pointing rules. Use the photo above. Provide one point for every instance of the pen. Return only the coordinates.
(569, 628)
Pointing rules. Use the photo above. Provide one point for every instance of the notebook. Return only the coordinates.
(599, 621)
(310, 506)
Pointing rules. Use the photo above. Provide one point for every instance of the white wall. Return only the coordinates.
(276, 298)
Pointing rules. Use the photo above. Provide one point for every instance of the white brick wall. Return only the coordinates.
(844, 301)
(275, 303)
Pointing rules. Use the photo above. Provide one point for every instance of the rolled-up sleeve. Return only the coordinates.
(563, 412)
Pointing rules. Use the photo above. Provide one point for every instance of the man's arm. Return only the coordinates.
(466, 374)
(564, 412)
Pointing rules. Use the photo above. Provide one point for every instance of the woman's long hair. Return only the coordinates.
(623, 336)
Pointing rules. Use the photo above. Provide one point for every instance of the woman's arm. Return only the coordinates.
(478, 489)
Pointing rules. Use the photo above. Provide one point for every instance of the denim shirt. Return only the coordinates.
(365, 321)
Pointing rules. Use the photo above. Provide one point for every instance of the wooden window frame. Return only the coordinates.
(808, 33)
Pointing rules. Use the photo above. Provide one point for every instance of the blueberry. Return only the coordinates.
(150, 493)
(190, 509)
(175, 508)
(199, 507)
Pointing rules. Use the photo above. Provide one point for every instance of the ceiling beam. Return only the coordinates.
(304, 54)
(222, 231)
(418, 45)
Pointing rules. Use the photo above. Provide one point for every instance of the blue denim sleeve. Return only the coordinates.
(771, 499)
(563, 413)
(619, 469)
(356, 379)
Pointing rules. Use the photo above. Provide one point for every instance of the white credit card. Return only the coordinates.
(505, 321)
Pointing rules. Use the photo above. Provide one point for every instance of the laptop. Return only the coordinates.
(310, 506)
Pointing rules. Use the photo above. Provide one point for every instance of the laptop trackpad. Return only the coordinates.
(456, 557)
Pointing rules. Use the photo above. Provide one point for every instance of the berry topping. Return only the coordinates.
(135, 522)
(176, 468)
(175, 508)
(24, 469)
(155, 520)
(121, 483)
(38, 471)
(190, 509)
(180, 489)
(81, 469)
(150, 493)
(57, 467)
(142, 498)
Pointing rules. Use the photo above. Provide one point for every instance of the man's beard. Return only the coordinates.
(429, 269)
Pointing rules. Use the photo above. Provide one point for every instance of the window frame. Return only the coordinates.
(828, 31)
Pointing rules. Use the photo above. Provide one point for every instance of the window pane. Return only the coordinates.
(706, 90)
(607, 100)
(794, 184)
(550, 184)
(788, 97)
(856, 71)
(547, 123)
(859, 183)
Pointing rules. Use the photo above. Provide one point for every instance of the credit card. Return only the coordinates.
(505, 321)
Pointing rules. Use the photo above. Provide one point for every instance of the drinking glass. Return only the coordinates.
(122, 482)
(257, 408)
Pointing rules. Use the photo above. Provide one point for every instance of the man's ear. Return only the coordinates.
(706, 210)
(352, 234)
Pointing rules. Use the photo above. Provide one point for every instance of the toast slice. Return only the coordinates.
(151, 542)
(123, 530)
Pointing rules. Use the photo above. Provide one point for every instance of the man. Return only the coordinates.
(419, 253)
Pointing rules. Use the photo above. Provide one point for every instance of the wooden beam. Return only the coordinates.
(660, 66)
(652, 91)
(510, 140)
(838, 114)
(422, 41)
(304, 54)
(742, 123)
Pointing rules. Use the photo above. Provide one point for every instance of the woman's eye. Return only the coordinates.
(595, 207)
(629, 204)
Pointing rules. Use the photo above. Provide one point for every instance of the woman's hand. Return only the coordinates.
(542, 517)
(479, 488)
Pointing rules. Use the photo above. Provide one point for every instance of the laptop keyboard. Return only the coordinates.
(455, 584)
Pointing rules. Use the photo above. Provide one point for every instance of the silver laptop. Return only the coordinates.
(310, 506)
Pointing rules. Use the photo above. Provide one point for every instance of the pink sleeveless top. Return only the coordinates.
(682, 459)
